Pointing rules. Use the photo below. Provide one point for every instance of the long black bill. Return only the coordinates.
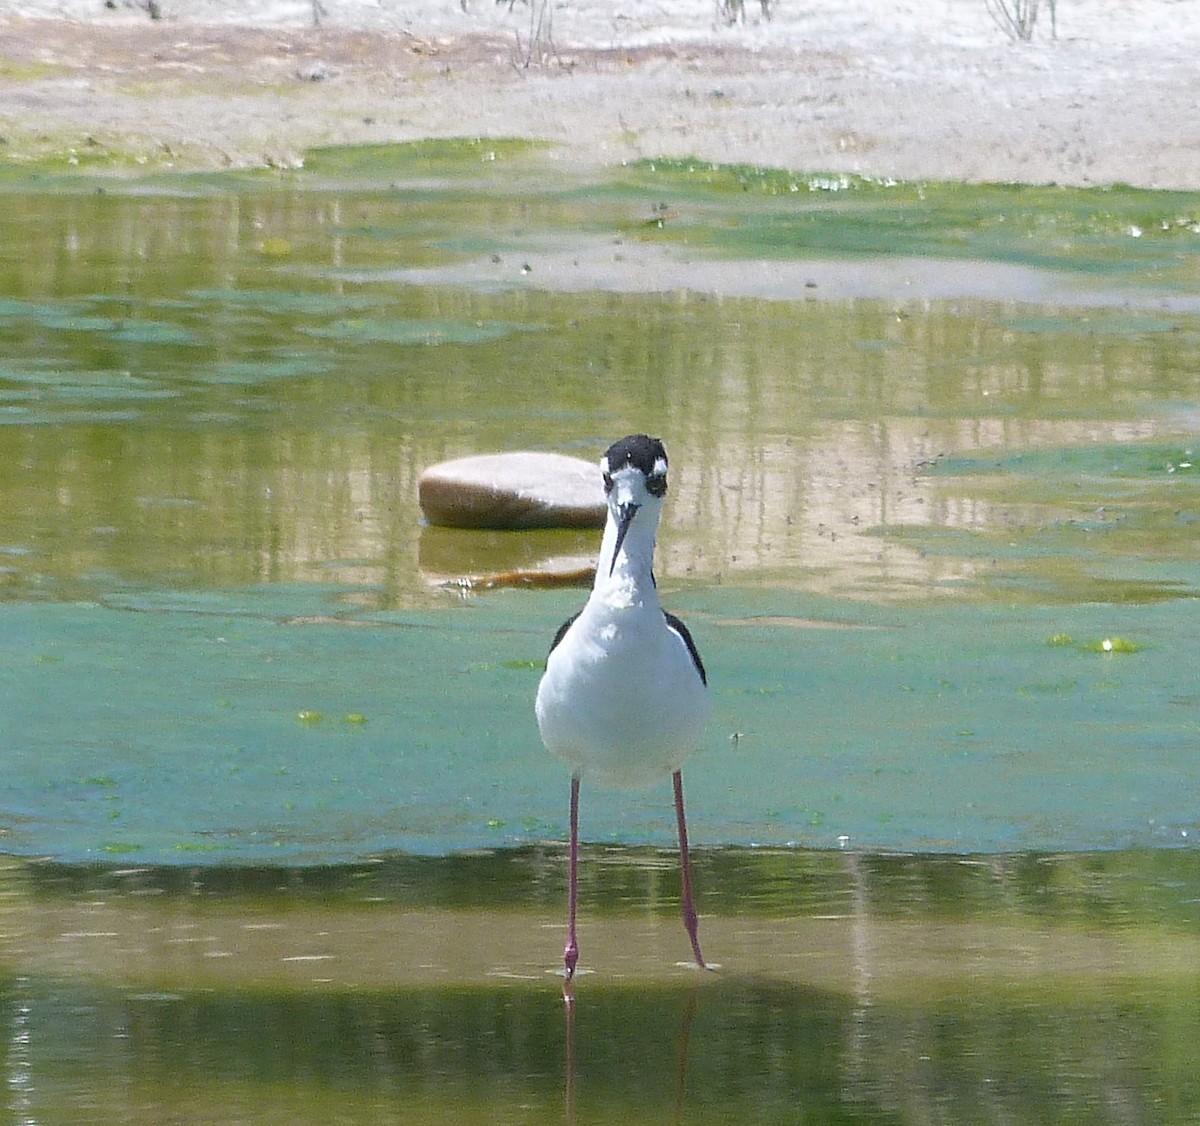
(625, 515)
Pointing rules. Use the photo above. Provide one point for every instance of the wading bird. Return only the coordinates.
(624, 697)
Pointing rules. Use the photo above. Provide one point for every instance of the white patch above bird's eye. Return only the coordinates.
(604, 465)
(656, 482)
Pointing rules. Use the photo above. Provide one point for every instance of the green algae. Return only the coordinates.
(1111, 231)
(450, 157)
(216, 720)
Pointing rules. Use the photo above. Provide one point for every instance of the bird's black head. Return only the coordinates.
(643, 453)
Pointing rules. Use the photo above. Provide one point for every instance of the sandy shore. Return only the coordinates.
(904, 89)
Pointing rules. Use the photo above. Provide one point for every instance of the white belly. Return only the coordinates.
(621, 700)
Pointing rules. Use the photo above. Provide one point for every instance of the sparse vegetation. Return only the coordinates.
(1017, 18)
(539, 47)
(734, 11)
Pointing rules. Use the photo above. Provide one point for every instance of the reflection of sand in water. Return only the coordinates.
(590, 264)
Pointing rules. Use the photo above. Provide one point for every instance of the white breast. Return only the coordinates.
(621, 699)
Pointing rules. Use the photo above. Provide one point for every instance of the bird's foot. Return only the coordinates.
(710, 967)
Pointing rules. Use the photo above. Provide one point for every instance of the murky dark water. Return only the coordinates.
(932, 522)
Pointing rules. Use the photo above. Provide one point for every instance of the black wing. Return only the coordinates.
(562, 631)
(682, 630)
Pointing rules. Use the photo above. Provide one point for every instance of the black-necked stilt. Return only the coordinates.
(624, 697)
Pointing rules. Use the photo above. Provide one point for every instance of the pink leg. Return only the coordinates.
(571, 953)
(690, 921)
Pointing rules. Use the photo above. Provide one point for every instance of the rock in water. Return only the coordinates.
(514, 490)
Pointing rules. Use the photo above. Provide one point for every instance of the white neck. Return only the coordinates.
(628, 579)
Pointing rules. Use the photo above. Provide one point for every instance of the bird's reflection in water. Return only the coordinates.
(691, 1005)
(569, 1063)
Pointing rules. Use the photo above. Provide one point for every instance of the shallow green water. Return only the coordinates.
(932, 521)
(853, 989)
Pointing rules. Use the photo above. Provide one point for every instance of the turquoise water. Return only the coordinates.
(274, 724)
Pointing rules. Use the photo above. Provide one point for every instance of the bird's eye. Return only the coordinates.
(656, 484)
(608, 482)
